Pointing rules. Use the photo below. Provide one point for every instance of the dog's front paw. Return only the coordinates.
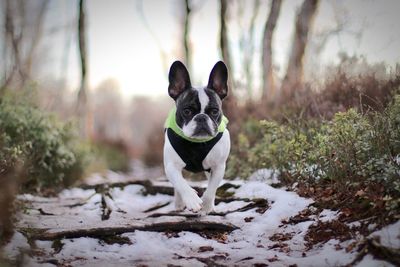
(192, 200)
(208, 206)
(179, 205)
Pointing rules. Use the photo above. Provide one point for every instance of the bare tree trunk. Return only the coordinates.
(35, 40)
(7, 74)
(223, 37)
(294, 73)
(268, 76)
(229, 103)
(247, 46)
(82, 109)
(163, 53)
(19, 47)
(186, 39)
(14, 40)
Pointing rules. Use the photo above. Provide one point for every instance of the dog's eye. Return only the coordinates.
(187, 112)
(214, 112)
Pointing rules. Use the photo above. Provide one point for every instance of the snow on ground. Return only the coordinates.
(257, 241)
(389, 236)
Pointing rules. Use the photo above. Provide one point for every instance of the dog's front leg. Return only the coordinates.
(214, 179)
(183, 192)
(179, 205)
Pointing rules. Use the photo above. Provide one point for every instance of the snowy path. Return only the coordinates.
(266, 236)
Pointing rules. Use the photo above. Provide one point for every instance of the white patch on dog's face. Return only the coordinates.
(188, 129)
(201, 119)
(203, 98)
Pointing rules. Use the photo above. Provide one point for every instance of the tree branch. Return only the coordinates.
(100, 232)
(261, 204)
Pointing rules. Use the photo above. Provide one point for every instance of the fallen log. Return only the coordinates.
(101, 232)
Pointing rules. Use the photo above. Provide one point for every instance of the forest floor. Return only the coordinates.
(113, 220)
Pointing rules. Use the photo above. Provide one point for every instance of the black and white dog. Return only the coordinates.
(196, 138)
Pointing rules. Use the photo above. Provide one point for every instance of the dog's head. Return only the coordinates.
(198, 110)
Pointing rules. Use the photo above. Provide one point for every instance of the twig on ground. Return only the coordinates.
(157, 207)
(105, 208)
(42, 212)
(374, 247)
(149, 188)
(255, 203)
(82, 202)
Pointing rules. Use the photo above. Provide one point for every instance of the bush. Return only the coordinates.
(351, 149)
(111, 155)
(46, 149)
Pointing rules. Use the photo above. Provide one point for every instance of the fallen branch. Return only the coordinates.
(230, 199)
(208, 261)
(150, 189)
(81, 203)
(374, 247)
(384, 253)
(105, 208)
(259, 203)
(174, 214)
(157, 207)
(42, 212)
(101, 232)
(217, 200)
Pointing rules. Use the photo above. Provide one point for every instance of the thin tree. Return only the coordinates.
(11, 39)
(223, 36)
(229, 103)
(294, 72)
(186, 37)
(20, 41)
(247, 44)
(37, 30)
(156, 39)
(268, 90)
(82, 103)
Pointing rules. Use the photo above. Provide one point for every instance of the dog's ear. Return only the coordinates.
(179, 79)
(218, 80)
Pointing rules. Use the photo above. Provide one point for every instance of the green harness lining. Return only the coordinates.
(171, 123)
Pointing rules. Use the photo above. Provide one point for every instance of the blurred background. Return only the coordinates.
(103, 65)
(313, 94)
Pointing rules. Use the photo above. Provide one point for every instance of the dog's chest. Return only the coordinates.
(192, 153)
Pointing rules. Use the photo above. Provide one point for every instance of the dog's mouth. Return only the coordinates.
(202, 131)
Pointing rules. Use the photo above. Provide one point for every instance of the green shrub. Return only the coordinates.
(46, 149)
(267, 144)
(350, 149)
(110, 155)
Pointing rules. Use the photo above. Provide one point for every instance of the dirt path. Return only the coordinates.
(133, 224)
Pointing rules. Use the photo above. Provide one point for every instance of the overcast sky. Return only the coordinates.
(125, 38)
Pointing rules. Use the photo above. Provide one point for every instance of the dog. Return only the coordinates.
(196, 137)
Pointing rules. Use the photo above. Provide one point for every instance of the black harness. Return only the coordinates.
(192, 153)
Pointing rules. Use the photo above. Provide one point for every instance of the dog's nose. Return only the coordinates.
(200, 118)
